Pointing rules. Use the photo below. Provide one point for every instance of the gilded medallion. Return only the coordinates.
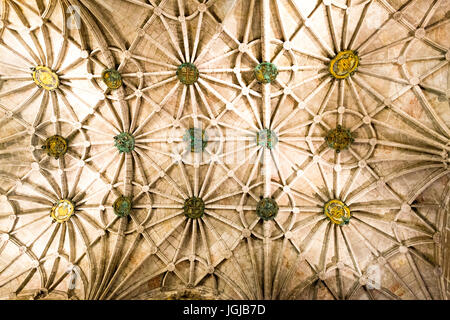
(337, 211)
(339, 138)
(62, 211)
(56, 146)
(45, 78)
(344, 64)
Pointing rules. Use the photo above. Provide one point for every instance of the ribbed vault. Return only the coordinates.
(224, 149)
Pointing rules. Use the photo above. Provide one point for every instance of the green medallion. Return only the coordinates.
(112, 78)
(197, 139)
(56, 146)
(124, 142)
(267, 209)
(122, 206)
(339, 138)
(187, 73)
(266, 72)
(266, 138)
(194, 208)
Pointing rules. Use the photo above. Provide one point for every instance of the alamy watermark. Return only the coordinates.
(74, 275)
(374, 277)
(227, 146)
(74, 19)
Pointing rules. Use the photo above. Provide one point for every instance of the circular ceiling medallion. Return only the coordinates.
(112, 78)
(124, 142)
(197, 139)
(194, 208)
(266, 72)
(267, 209)
(344, 64)
(56, 146)
(62, 210)
(187, 73)
(337, 211)
(339, 138)
(122, 206)
(45, 78)
(266, 138)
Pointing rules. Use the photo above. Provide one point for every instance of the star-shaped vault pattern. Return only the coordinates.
(224, 149)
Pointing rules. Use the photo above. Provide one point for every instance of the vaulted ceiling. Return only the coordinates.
(224, 149)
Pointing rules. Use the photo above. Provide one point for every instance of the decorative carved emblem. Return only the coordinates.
(124, 142)
(337, 212)
(187, 73)
(112, 78)
(344, 64)
(339, 138)
(266, 138)
(122, 206)
(62, 211)
(56, 146)
(267, 209)
(197, 139)
(45, 78)
(266, 72)
(194, 208)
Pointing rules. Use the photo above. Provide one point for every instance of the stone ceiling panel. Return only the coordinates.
(224, 149)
